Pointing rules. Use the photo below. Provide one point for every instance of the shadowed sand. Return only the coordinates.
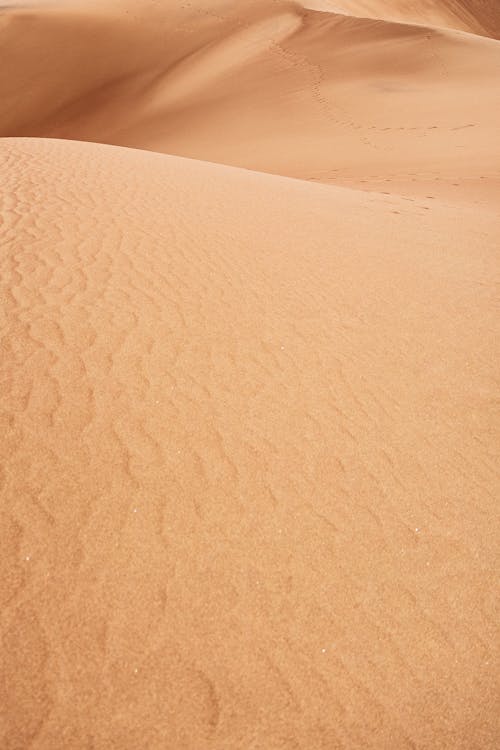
(249, 456)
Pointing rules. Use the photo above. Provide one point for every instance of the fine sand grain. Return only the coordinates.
(249, 409)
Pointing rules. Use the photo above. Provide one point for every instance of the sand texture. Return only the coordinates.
(249, 371)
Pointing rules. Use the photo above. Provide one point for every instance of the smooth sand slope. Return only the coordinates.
(249, 484)
(476, 16)
(249, 424)
(275, 87)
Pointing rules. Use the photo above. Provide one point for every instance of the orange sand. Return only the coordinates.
(249, 458)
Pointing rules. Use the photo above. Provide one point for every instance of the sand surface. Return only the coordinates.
(249, 375)
(269, 86)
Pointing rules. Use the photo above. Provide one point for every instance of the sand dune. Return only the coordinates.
(249, 463)
(249, 454)
(297, 92)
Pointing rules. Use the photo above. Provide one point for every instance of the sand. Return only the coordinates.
(274, 87)
(249, 375)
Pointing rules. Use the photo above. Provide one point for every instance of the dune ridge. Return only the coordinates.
(476, 16)
(269, 75)
(249, 388)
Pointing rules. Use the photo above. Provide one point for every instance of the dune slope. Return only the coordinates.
(476, 16)
(369, 103)
(248, 485)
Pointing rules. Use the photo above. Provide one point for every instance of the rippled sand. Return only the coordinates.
(249, 375)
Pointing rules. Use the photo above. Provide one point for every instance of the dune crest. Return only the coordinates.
(476, 16)
(303, 93)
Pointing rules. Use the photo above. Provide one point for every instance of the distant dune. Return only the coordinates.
(249, 375)
(362, 103)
